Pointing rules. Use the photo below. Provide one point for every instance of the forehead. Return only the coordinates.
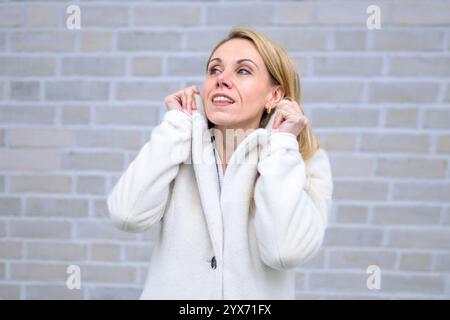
(236, 49)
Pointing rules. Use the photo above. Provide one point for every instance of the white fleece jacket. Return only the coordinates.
(241, 242)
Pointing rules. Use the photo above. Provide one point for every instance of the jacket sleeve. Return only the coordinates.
(292, 202)
(139, 198)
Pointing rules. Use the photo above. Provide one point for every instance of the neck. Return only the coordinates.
(227, 139)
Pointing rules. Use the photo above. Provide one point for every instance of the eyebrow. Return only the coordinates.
(238, 61)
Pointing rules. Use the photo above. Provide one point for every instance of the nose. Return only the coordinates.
(222, 80)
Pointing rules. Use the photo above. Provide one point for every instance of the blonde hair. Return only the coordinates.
(282, 72)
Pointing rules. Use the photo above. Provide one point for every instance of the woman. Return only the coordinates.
(236, 230)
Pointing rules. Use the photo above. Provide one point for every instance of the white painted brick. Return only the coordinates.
(27, 66)
(11, 16)
(443, 144)
(43, 15)
(248, 14)
(420, 239)
(203, 40)
(353, 236)
(350, 40)
(124, 139)
(105, 16)
(76, 90)
(147, 40)
(297, 40)
(348, 91)
(10, 249)
(92, 161)
(91, 185)
(109, 274)
(415, 261)
(93, 66)
(395, 142)
(407, 40)
(290, 14)
(101, 209)
(21, 90)
(40, 183)
(360, 190)
(9, 291)
(401, 118)
(343, 141)
(422, 191)
(57, 207)
(346, 13)
(64, 251)
(362, 259)
(10, 206)
(113, 293)
(126, 116)
(437, 118)
(421, 284)
(105, 252)
(352, 166)
(27, 115)
(187, 66)
(333, 281)
(406, 215)
(136, 252)
(101, 229)
(170, 15)
(73, 115)
(147, 66)
(40, 41)
(347, 66)
(351, 214)
(442, 262)
(411, 167)
(403, 92)
(407, 13)
(40, 137)
(29, 160)
(145, 90)
(52, 292)
(419, 66)
(343, 117)
(92, 41)
(44, 229)
(38, 271)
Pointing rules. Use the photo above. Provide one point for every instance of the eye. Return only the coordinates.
(242, 69)
(211, 70)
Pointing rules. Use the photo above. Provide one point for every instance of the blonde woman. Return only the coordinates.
(235, 179)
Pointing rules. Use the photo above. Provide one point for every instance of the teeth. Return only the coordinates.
(222, 98)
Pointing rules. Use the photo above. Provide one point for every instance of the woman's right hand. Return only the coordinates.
(183, 100)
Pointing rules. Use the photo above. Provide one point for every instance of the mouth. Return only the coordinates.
(220, 100)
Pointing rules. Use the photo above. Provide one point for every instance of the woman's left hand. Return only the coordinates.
(289, 118)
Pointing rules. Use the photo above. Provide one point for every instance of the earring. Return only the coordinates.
(269, 110)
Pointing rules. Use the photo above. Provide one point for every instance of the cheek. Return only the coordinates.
(252, 99)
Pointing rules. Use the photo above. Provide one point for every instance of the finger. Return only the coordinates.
(183, 101)
(194, 103)
(187, 101)
(277, 121)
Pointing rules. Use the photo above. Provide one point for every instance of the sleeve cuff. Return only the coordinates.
(179, 119)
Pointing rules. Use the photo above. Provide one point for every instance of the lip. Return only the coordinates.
(222, 94)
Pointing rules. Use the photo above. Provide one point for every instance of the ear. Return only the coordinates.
(275, 95)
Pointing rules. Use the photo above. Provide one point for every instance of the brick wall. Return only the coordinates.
(77, 105)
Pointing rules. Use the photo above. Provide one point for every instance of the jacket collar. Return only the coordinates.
(204, 164)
